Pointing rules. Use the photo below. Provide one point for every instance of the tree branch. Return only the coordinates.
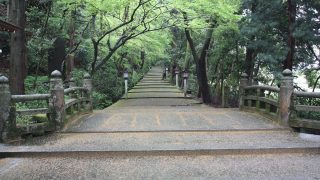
(141, 3)
(189, 38)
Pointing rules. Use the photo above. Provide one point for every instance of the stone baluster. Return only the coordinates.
(56, 101)
(285, 96)
(74, 95)
(5, 98)
(72, 82)
(259, 92)
(243, 83)
(87, 83)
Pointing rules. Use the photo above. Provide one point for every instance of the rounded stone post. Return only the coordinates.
(185, 86)
(72, 82)
(87, 83)
(285, 96)
(243, 83)
(56, 101)
(177, 80)
(5, 97)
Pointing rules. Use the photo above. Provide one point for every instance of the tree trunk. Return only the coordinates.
(195, 58)
(292, 5)
(187, 58)
(205, 91)
(142, 57)
(250, 52)
(95, 56)
(18, 59)
(249, 63)
(201, 66)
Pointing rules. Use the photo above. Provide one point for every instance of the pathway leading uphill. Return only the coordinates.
(158, 134)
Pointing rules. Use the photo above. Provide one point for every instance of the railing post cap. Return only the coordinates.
(87, 76)
(4, 80)
(287, 72)
(56, 74)
(244, 75)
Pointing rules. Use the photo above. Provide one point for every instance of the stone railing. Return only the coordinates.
(280, 103)
(298, 108)
(61, 104)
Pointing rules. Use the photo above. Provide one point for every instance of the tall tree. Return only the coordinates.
(292, 12)
(18, 59)
(135, 19)
(200, 61)
(250, 50)
(202, 19)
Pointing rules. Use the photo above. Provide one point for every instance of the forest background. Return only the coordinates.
(214, 40)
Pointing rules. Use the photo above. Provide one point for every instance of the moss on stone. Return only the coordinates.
(40, 118)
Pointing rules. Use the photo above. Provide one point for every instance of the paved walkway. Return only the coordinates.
(158, 134)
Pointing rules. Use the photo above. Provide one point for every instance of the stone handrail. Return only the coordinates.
(78, 100)
(254, 98)
(61, 102)
(283, 107)
(307, 94)
(26, 98)
(74, 89)
(29, 97)
(297, 121)
(264, 87)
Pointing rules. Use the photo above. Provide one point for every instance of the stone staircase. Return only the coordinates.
(158, 134)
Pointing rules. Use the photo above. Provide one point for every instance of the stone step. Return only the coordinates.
(154, 86)
(154, 80)
(141, 90)
(99, 165)
(154, 91)
(181, 152)
(155, 102)
(155, 95)
(152, 76)
(215, 142)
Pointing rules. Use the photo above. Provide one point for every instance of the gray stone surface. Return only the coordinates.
(97, 166)
(146, 118)
(162, 141)
(158, 134)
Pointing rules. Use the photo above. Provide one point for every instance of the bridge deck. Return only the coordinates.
(157, 133)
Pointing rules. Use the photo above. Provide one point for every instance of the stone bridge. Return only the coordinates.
(157, 133)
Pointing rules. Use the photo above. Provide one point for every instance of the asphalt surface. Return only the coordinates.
(157, 133)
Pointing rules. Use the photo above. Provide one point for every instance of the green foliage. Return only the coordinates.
(42, 87)
(77, 75)
(41, 84)
(109, 82)
(312, 77)
(237, 28)
(40, 118)
(311, 114)
(100, 101)
(264, 29)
